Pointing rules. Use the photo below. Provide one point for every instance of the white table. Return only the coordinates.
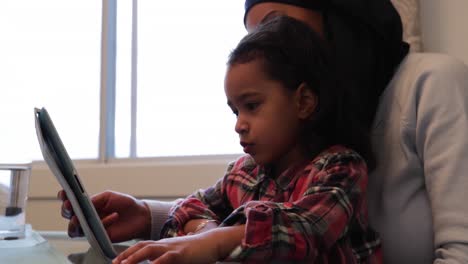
(48, 247)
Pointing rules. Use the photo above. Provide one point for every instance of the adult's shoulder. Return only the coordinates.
(432, 74)
(420, 65)
(428, 88)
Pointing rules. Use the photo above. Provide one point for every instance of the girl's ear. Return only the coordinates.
(306, 101)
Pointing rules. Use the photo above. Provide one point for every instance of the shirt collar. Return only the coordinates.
(286, 178)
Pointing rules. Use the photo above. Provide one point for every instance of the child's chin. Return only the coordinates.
(258, 160)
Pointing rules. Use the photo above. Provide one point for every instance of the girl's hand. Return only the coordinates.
(197, 226)
(206, 247)
(180, 250)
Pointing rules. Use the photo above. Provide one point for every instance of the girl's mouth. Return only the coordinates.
(248, 147)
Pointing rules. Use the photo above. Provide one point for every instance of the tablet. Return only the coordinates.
(61, 165)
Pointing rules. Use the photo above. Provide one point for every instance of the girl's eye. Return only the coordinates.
(235, 112)
(251, 106)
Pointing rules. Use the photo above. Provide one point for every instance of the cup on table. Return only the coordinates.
(14, 186)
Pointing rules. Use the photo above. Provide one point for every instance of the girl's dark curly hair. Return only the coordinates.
(292, 53)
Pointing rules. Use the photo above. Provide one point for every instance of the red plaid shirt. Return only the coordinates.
(316, 213)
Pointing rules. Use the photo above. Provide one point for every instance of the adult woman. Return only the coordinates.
(416, 109)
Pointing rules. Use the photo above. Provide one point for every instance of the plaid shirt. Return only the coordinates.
(316, 212)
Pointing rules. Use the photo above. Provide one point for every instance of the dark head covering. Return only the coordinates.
(316, 5)
(366, 37)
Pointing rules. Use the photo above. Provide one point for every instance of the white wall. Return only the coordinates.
(444, 25)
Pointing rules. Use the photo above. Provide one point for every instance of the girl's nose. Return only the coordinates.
(241, 126)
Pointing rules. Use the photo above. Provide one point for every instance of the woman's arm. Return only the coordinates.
(159, 211)
(442, 145)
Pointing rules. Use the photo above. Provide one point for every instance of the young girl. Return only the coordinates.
(299, 195)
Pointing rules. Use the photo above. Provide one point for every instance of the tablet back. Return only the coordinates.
(61, 165)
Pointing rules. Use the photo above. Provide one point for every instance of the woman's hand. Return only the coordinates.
(206, 247)
(123, 216)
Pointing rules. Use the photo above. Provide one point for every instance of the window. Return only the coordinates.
(121, 79)
(180, 49)
(50, 56)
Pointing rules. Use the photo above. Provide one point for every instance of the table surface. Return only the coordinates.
(54, 247)
(63, 243)
(50, 247)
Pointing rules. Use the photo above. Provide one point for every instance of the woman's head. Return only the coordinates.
(308, 12)
(281, 85)
(365, 38)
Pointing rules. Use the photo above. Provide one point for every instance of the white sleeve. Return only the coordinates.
(159, 215)
(442, 143)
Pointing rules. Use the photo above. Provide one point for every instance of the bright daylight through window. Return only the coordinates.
(50, 57)
(169, 57)
(182, 49)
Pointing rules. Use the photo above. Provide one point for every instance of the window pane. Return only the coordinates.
(182, 52)
(50, 56)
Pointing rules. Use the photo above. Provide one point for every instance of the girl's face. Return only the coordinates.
(268, 115)
(264, 11)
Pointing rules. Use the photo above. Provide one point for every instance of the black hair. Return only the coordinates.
(292, 53)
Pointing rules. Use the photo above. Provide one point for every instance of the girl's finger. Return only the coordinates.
(167, 258)
(151, 251)
(124, 255)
